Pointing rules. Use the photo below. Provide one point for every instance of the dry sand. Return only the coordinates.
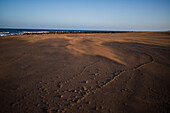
(85, 73)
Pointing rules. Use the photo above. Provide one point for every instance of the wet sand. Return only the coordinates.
(85, 73)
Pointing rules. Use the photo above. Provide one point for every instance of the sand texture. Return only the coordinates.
(85, 73)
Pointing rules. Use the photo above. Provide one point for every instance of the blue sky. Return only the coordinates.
(86, 14)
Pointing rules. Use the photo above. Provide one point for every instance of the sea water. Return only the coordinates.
(7, 32)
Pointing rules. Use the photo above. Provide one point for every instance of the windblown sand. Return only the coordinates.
(85, 73)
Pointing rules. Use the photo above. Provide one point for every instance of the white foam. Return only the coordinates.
(3, 34)
(37, 32)
(21, 33)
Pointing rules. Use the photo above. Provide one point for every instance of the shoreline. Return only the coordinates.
(14, 32)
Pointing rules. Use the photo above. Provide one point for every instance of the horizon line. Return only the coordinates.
(78, 29)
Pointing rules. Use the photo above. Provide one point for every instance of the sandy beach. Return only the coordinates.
(85, 73)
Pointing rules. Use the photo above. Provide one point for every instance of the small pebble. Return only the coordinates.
(61, 96)
(38, 105)
(86, 82)
(84, 88)
(95, 74)
(75, 90)
(96, 108)
(13, 105)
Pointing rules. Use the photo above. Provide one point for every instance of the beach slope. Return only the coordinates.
(85, 73)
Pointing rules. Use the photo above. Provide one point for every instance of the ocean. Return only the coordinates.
(7, 32)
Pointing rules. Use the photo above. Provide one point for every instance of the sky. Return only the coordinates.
(117, 15)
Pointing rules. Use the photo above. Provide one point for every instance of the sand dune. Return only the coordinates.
(85, 73)
(94, 48)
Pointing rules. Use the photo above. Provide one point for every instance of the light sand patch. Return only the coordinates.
(94, 48)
